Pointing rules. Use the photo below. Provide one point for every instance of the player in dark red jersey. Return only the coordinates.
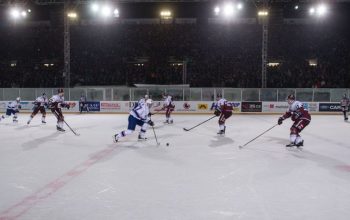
(223, 109)
(301, 118)
(55, 104)
(169, 107)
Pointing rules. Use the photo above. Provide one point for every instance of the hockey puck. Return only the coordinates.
(167, 144)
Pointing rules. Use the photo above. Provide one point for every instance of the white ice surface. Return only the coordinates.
(47, 175)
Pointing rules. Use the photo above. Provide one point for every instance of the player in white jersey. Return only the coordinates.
(40, 104)
(344, 103)
(12, 109)
(139, 115)
(169, 107)
(57, 102)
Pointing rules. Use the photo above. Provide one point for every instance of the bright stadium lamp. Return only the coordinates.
(312, 11)
(166, 14)
(116, 13)
(24, 14)
(95, 7)
(72, 15)
(263, 13)
(239, 6)
(321, 10)
(228, 10)
(106, 11)
(217, 10)
(14, 13)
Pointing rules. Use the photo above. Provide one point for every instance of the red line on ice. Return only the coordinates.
(49, 189)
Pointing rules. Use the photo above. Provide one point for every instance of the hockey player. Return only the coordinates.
(82, 104)
(223, 109)
(169, 107)
(39, 105)
(344, 103)
(139, 115)
(55, 104)
(12, 109)
(301, 118)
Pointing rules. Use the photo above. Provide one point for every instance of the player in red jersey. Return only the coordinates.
(223, 109)
(301, 118)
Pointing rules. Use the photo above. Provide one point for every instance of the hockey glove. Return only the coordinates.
(150, 122)
(280, 120)
(217, 112)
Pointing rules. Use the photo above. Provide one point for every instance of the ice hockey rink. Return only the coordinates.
(46, 174)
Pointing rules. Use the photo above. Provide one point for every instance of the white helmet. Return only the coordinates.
(149, 101)
(18, 99)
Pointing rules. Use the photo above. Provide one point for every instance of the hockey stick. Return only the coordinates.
(75, 133)
(155, 136)
(188, 129)
(241, 146)
(71, 128)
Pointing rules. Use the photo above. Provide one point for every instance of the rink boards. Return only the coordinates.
(195, 107)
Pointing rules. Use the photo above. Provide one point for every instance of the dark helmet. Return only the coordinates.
(60, 90)
(219, 96)
(44, 94)
(291, 97)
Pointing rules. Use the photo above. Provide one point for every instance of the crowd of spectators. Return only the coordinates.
(216, 55)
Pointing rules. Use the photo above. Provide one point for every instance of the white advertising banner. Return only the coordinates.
(114, 106)
(281, 107)
(275, 107)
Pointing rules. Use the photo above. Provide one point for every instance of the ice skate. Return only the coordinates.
(60, 129)
(115, 138)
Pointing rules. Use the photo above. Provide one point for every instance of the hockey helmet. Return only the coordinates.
(60, 90)
(149, 102)
(290, 98)
(18, 99)
(218, 96)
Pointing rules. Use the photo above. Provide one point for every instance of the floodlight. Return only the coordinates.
(15, 14)
(312, 11)
(296, 7)
(321, 9)
(229, 10)
(106, 11)
(72, 15)
(217, 10)
(263, 13)
(95, 7)
(239, 6)
(165, 14)
(24, 14)
(116, 13)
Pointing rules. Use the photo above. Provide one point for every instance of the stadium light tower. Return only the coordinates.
(264, 18)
